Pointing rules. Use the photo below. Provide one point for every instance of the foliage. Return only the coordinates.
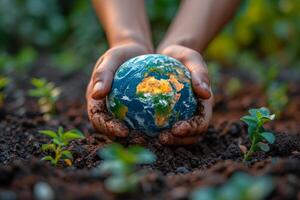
(121, 164)
(240, 186)
(214, 74)
(46, 93)
(277, 97)
(60, 141)
(263, 30)
(233, 86)
(257, 134)
(4, 81)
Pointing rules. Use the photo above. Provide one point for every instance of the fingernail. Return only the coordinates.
(97, 88)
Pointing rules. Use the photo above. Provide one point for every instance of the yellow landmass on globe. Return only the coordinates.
(154, 86)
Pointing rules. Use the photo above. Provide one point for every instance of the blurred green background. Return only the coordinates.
(68, 36)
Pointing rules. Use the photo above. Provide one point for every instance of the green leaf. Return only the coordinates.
(205, 193)
(251, 131)
(60, 131)
(115, 167)
(253, 112)
(263, 146)
(48, 158)
(59, 142)
(121, 184)
(110, 152)
(264, 111)
(67, 154)
(36, 93)
(38, 82)
(72, 135)
(49, 133)
(249, 120)
(269, 137)
(144, 156)
(260, 188)
(48, 147)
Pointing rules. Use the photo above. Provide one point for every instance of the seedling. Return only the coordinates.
(46, 93)
(60, 141)
(121, 164)
(4, 81)
(240, 186)
(277, 98)
(257, 134)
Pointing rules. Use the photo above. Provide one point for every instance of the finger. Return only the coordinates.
(108, 64)
(199, 73)
(196, 125)
(103, 75)
(169, 139)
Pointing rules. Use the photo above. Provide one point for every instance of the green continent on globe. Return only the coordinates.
(152, 92)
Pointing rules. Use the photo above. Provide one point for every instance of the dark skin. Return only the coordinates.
(128, 33)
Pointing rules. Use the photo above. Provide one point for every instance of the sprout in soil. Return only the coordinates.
(46, 93)
(121, 165)
(4, 81)
(277, 98)
(240, 186)
(257, 134)
(60, 141)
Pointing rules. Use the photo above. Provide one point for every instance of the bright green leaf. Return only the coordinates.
(49, 133)
(72, 135)
(47, 158)
(48, 147)
(59, 142)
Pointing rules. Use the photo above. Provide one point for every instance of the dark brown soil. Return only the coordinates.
(177, 171)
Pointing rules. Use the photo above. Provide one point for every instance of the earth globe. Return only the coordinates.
(151, 92)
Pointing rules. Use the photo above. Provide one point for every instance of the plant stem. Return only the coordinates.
(251, 150)
(57, 154)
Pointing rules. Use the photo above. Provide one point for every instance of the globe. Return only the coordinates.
(151, 92)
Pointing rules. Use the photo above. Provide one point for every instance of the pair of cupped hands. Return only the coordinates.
(182, 132)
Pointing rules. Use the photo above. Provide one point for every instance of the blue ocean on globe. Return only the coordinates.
(151, 92)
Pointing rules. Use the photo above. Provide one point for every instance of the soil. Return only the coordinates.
(178, 170)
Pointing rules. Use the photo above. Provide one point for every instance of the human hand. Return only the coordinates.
(100, 85)
(189, 131)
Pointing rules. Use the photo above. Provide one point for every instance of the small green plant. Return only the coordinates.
(121, 164)
(4, 81)
(46, 93)
(257, 134)
(240, 186)
(60, 141)
(277, 98)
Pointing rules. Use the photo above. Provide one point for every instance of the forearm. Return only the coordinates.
(124, 21)
(198, 21)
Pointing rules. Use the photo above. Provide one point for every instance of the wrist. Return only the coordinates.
(131, 37)
(185, 41)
